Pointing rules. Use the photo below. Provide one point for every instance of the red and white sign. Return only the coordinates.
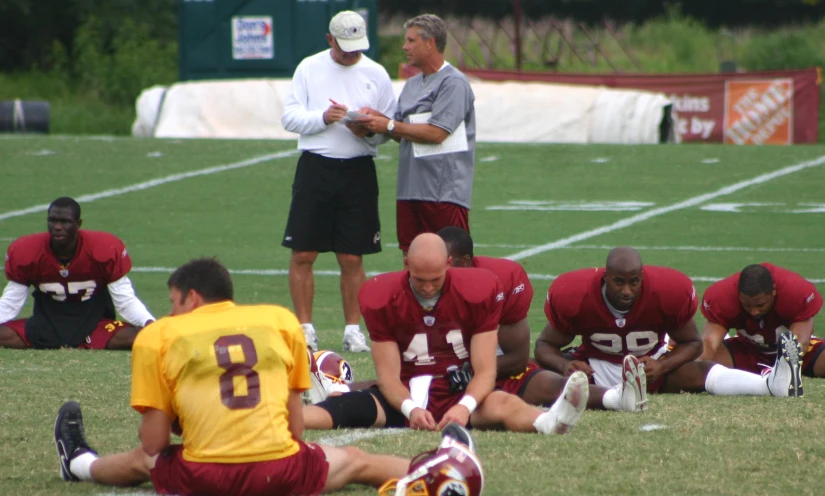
(252, 38)
(771, 107)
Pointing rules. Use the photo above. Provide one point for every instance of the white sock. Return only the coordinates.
(546, 422)
(352, 327)
(308, 328)
(731, 382)
(81, 466)
(612, 399)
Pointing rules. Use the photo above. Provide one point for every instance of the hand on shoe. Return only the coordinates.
(458, 414)
(421, 419)
(653, 368)
(578, 365)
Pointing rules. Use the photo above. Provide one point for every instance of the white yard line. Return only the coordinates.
(656, 212)
(702, 248)
(249, 272)
(765, 249)
(335, 273)
(646, 248)
(135, 493)
(155, 182)
(356, 435)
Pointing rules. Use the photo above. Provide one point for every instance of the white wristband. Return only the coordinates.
(407, 407)
(469, 402)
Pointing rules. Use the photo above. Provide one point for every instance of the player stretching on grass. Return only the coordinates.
(79, 278)
(627, 309)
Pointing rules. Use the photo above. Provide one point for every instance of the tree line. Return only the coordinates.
(714, 13)
(40, 33)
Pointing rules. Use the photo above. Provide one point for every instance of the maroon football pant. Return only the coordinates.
(414, 217)
(303, 473)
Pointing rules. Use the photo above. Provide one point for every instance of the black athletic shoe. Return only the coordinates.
(69, 437)
(460, 434)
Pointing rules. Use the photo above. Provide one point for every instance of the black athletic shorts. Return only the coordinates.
(334, 206)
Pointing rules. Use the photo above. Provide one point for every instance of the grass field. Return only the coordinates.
(706, 210)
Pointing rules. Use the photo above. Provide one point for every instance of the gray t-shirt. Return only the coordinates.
(447, 177)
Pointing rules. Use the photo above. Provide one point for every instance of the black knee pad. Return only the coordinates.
(355, 409)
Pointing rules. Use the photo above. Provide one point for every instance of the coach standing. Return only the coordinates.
(335, 191)
(435, 125)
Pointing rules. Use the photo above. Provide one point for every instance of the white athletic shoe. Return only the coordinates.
(786, 377)
(354, 341)
(321, 387)
(634, 386)
(567, 409)
(311, 338)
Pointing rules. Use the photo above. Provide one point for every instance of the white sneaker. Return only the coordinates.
(310, 337)
(568, 408)
(355, 342)
(786, 377)
(321, 387)
(634, 386)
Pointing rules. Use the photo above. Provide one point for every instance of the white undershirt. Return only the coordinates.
(616, 312)
(426, 303)
(12, 301)
(127, 304)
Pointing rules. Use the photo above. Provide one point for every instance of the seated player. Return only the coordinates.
(761, 303)
(627, 309)
(230, 378)
(80, 280)
(423, 322)
(516, 374)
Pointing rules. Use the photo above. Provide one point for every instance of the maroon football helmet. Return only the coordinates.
(450, 470)
(334, 366)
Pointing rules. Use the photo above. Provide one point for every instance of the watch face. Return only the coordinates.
(391, 125)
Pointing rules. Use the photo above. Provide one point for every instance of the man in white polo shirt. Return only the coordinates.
(335, 190)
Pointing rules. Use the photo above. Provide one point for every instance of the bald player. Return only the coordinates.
(627, 309)
(516, 373)
(424, 321)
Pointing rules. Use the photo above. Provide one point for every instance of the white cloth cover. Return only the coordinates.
(508, 111)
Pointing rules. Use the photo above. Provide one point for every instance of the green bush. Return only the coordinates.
(72, 111)
(674, 44)
(786, 49)
(392, 56)
(93, 89)
(133, 61)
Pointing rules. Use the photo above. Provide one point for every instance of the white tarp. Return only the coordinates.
(505, 112)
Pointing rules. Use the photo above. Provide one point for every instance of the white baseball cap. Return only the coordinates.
(350, 31)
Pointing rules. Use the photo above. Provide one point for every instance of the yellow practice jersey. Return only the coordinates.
(224, 371)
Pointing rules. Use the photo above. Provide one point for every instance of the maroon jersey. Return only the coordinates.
(796, 300)
(518, 292)
(429, 342)
(69, 299)
(575, 305)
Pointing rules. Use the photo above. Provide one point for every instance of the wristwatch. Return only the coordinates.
(390, 126)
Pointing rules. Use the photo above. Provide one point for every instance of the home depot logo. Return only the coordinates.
(759, 112)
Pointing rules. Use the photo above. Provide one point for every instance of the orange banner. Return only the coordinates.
(759, 112)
